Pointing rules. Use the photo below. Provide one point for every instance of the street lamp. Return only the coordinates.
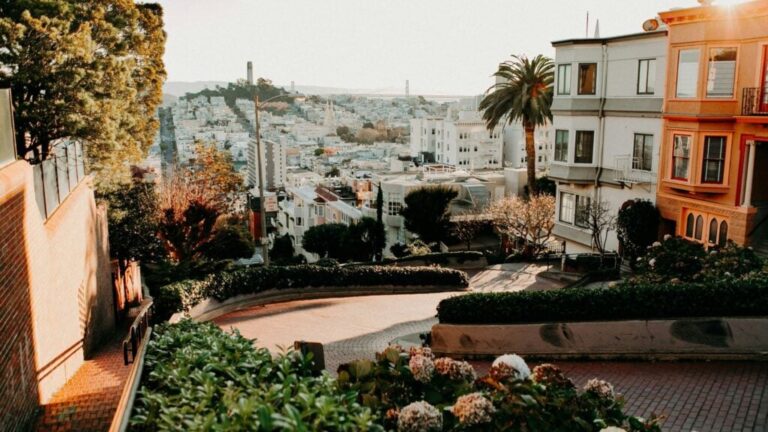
(262, 207)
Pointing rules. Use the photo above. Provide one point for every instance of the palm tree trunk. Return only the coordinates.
(530, 152)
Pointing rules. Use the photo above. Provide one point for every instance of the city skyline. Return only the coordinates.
(440, 47)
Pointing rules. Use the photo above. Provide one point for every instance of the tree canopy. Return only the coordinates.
(426, 212)
(523, 93)
(89, 70)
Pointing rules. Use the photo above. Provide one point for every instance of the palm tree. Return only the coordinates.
(524, 93)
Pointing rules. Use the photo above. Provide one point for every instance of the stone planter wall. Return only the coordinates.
(211, 308)
(702, 338)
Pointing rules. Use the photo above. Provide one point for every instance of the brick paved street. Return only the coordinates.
(695, 396)
(88, 401)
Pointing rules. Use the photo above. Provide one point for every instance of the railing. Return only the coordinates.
(630, 172)
(136, 334)
(754, 102)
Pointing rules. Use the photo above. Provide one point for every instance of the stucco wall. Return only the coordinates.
(65, 270)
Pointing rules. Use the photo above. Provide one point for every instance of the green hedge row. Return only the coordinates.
(734, 297)
(196, 377)
(182, 296)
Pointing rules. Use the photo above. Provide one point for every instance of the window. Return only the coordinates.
(723, 233)
(564, 79)
(584, 143)
(646, 76)
(561, 145)
(699, 227)
(393, 204)
(687, 73)
(567, 207)
(574, 209)
(582, 211)
(681, 153)
(713, 231)
(714, 160)
(722, 72)
(642, 153)
(587, 78)
(689, 225)
(299, 222)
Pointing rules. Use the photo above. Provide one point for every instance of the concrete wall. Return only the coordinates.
(58, 272)
(683, 338)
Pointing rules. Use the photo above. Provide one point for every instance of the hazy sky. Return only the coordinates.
(441, 46)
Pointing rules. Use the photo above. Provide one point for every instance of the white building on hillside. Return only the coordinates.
(463, 142)
(273, 158)
(607, 127)
(514, 146)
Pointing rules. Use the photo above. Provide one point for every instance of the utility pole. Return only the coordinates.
(262, 206)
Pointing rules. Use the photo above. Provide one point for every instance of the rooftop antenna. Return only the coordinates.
(586, 33)
(597, 29)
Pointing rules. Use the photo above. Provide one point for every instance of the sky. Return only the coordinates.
(447, 47)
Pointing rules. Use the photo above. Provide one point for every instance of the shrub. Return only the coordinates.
(734, 297)
(415, 392)
(229, 242)
(677, 259)
(197, 377)
(399, 250)
(181, 296)
(637, 226)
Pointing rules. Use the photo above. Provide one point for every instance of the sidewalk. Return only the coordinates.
(87, 402)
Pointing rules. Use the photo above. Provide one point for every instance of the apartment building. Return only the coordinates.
(274, 160)
(714, 157)
(514, 146)
(607, 127)
(463, 142)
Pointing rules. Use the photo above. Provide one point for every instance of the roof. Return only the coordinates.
(626, 37)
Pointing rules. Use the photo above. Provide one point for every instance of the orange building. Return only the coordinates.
(713, 175)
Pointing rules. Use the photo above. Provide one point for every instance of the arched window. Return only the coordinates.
(699, 227)
(689, 225)
(713, 231)
(723, 233)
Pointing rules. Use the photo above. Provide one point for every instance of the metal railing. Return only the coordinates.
(630, 172)
(754, 102)
(136, 334)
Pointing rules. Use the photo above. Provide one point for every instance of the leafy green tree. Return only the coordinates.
(426, 212)
(637, 227)
(333, 172)
(319, 152)
(524, 94)
(133, 223)
(544, 185)
(229, 241)
(89, 70)
(282, 249)
(326, 240)
(364, 240)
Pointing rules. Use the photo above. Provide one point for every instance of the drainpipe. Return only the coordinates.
(601, 117)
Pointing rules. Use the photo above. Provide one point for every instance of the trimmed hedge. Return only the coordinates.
(734, 297)
(181, 296)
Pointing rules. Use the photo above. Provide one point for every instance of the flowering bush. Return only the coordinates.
(510, 397)
(679, 260)
(419, 417)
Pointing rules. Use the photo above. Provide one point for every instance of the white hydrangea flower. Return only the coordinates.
(419, 417)
(602, 388)
(515, 362)
(612, 429)
(652, 262)
(473, 409)
(422, 368)
(656, 244)
(667, 237)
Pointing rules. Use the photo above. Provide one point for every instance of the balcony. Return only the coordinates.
(754, 102)
(627, 171)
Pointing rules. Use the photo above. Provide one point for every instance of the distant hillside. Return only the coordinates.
(180, 88)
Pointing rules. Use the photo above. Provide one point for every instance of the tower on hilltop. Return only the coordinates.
(250, 73)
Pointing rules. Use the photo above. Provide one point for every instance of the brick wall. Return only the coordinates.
(56, 300)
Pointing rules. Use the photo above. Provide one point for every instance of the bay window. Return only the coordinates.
(714, 159)
(561, 145)
(681, 154)
(722, 72)
(584, 146)
(687, 73)
(587, 78)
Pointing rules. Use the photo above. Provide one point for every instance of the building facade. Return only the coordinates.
(463, 142)
(714, 158)
(274, 160)
(607, 128)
